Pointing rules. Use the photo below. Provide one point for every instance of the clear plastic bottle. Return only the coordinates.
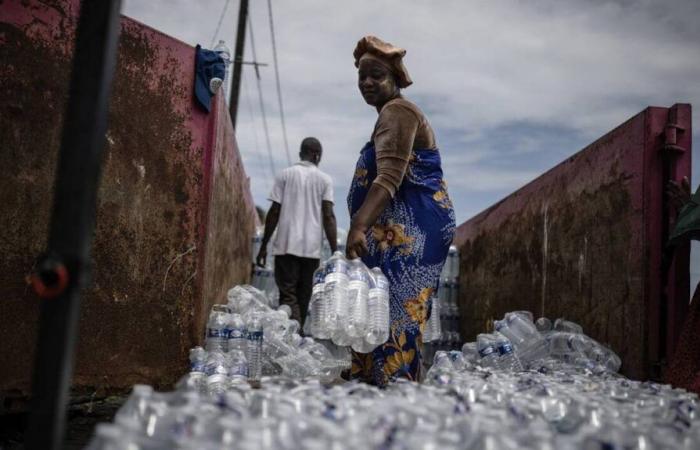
(198, 358)
(488, 353)
(452, 263)
(378, 309)
(524, 336)
(434, 321)
(358, 291)
(225, 53)
(543, 325)
(237, 333)
(216, 384)
(217, 328)
(507, 360)
(318, 306)
(254, 349)
(237, 366)
(133, 412)
(216, 363)
(565, 325)
(336, 291)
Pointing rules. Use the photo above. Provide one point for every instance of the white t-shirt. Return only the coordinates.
(300, 189)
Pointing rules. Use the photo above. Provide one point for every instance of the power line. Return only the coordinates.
(259, 155)
(218, 26)
(277, 80)
(260, 96)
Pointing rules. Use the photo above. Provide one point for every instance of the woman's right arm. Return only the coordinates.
(393, 140)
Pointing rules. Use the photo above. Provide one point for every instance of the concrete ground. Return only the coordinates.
(83, 415)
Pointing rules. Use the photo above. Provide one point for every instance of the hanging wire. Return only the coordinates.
(258, 153)
(218, 26)
(260, 96)
(277, 80)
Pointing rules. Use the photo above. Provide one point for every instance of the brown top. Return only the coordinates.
(400, 128)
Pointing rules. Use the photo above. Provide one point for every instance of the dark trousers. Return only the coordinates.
(294, 278)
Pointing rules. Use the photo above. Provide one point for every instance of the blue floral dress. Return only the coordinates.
(409, 242)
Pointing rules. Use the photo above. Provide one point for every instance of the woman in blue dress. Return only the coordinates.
(401, 215)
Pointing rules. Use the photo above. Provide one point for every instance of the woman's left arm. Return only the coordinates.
(393, 139)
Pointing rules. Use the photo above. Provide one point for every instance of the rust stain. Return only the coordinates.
(146, 305)
(561, 257)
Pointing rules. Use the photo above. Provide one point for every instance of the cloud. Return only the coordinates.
(511, 87)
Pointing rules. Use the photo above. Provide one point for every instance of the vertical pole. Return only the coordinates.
(64, 270)
(238, 61)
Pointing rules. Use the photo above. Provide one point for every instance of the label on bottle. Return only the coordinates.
(236, 333)
(486, 351)
(505, 348)
(238, 370)
(213, 332)
(197, 366)
(255, 335)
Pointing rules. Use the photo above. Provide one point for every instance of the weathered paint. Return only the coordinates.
(583, 241)
(174, 216)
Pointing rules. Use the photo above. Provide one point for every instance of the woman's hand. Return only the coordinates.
(356, 244)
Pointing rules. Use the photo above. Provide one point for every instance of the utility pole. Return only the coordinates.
(238, 61)
(64, 270)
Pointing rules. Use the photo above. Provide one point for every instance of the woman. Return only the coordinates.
(401, 216)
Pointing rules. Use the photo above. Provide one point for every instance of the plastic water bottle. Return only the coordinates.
(215, 363)
(378, 308)
(237, 333)
(254, 349)
(488, 353)
(336, 291)
(433, 329)
(217, 329)
(216, 384)
(257, 240)
(238, 366)
(507, 360)
(318, 306)
(543, 325)
(225, 53)
(568, 326)
(198, 357)
(524, 336)
(358, 291)
(452, 264)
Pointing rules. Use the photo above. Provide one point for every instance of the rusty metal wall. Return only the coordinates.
(175, 212)
(583, 241)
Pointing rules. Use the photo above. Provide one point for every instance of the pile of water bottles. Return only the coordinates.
(349, 304)
(520, 343)
(552, 387)
(247, 339)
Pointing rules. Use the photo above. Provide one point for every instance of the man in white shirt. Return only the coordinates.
(302, 209)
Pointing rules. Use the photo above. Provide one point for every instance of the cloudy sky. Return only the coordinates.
(510, 87)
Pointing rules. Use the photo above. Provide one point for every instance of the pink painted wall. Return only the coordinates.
(175, 213)
(583, 241)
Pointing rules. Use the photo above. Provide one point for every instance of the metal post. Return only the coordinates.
(238, 61)
(64, 269)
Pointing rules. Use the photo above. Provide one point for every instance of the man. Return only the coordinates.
(302, 208)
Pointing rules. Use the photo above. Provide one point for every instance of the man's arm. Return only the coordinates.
(273, 217)
(329, 225)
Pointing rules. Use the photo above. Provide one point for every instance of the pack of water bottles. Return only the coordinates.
(247, 339)
(349, 304)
